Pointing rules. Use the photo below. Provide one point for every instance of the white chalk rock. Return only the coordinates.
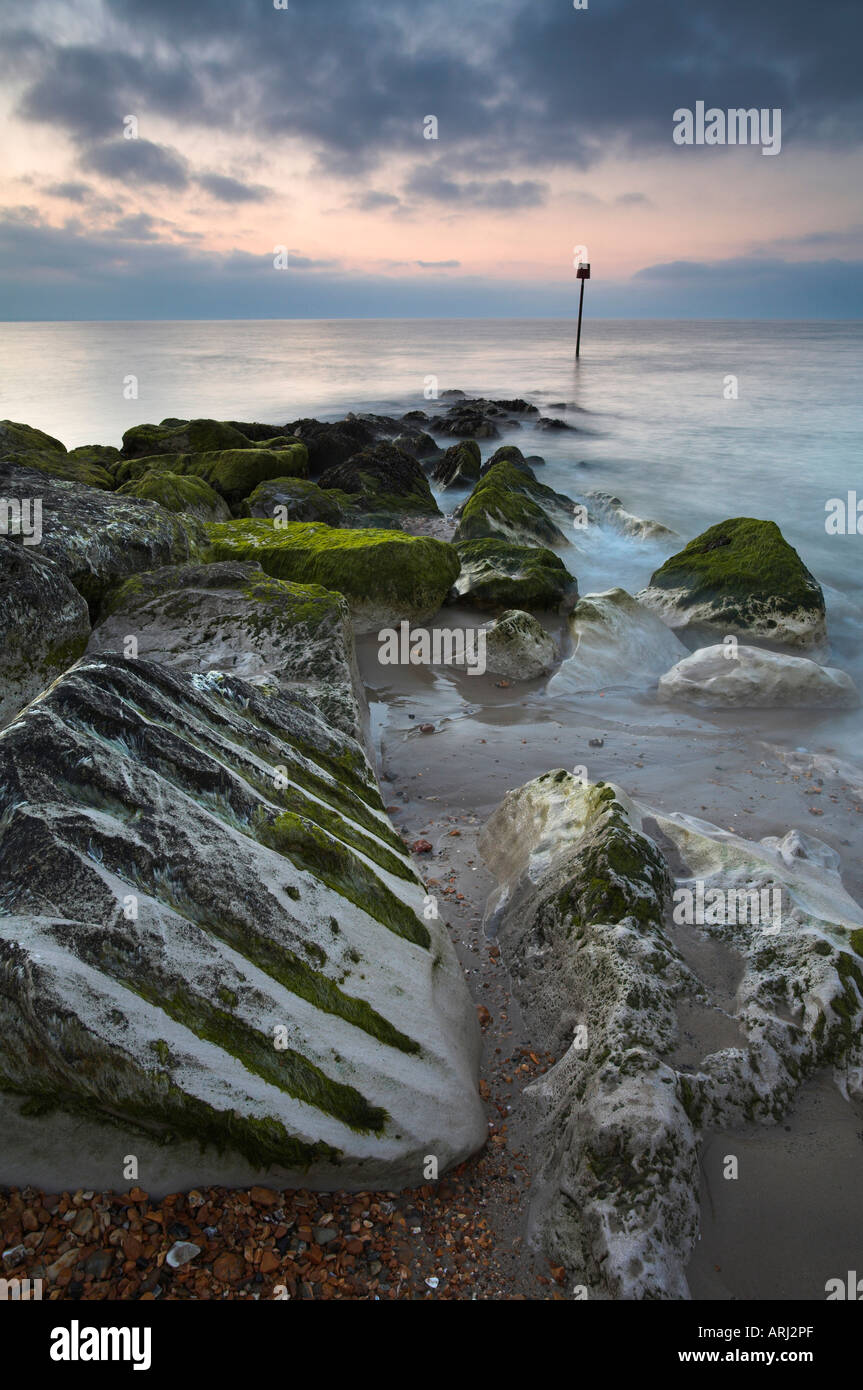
(727, 675)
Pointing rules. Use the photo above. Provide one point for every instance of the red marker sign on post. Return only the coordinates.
(582, 273)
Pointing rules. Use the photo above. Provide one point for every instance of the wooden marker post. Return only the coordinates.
(582, 273)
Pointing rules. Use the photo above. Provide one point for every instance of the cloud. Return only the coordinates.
(230, 190)
(438, 265)
(137, 162)
(499, 195)
(75, 192)
(373, 201)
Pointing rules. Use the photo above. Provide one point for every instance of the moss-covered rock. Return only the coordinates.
(182, 437)
(232, 473)
(381, 484)
(496, 574)
(31, 448)
(44, 625)
(459, 466)
(233, 617)
(179, 494)
(384, 575)
(741, 576)
(508, 502)
(519, 648)
(292, 499)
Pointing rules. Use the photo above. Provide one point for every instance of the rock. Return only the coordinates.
(14, 1255)
(585, 893)
(386, 576)
(421, 847)
(278, 995)
(331, 444)
(233, 617)
(741, 577)
(264, 1197)
(725, 676)
(617, 641)
(181, 437)
(178, 494)
(611, 510)
(507, 453)
(44, 625)
(418, 443)
(98, 539)
(506, 503)
(381, 484)
(292, 499)
(232, 473)
(229, 1268)
(546, 423)
(31, 448)
(518, 647)
(459, 466)
(182, 1252)
(98, 1265)
(497, 574)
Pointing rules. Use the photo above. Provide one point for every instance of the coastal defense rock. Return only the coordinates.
(331, 444)
(616, 641)
(519, 648)
(592, 928)
(44, 625)
(724, 676)
(211, 932)
(292, 499)
(31, 448)
(182, 437)
(381, 484)
(741, 577)
(497, 574)
(233, 473)
(178, 494)
(233, 617)
(459, 466)
(610, 509)
(386, 576)
(97, 538)
(508, 502)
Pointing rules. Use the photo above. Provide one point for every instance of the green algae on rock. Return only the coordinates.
(386, 576)
(292, 499)
(508, 502)
(179, 494)
(31, 448)
(215, 934)
(518, 647)
(182, 437)
(380, 484)
(497, 574)
(459, 466)
(741, 576)
(233, 617)
(233, 473)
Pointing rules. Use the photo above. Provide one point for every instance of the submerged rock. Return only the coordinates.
(385, 575)
(233, 617)
(617, 641)
(98, 538)
(610, 509)
(211, 932)
(509, 502)
(44, 625)
(723, 676)
(179, 494)
(31, 448)
(741, 577)
(498, 574)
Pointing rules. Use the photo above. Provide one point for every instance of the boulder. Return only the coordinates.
(386, 576)
(616, 641)
(331, 444)
(417, 443)
(508, 502)
(497, 574)
(212, 934)
(381, 484)
(730, 675)
(31, 448)
(459, 466)
(233, 617)
(518, 647)
(292, 499)
(232, 473)
(96, 538)
(176, 493)
(610, 510)
(44, 625)
(741, 577)
(182, 437)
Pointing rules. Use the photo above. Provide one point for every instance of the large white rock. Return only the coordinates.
(617, 642)
(727, 674)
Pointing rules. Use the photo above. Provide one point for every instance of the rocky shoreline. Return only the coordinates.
(218, 942)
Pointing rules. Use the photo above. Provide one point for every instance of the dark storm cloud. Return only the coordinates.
(75, 192)
(512, 82)
(492, 194)
(137, 162)
(229, 190)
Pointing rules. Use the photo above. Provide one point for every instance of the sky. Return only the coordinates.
(272, 159)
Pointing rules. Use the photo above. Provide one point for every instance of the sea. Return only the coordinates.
(687, 422)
